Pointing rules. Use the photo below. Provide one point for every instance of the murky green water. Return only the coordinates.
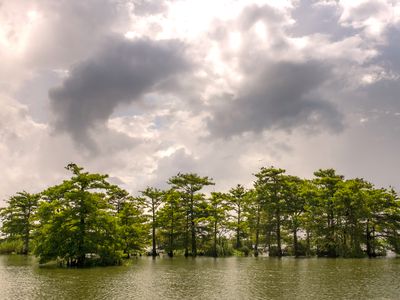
(205, 278)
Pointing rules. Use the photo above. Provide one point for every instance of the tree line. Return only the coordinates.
(86, 220)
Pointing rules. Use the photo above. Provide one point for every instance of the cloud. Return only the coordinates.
(166, 167)
(67, 30)
(31, 159)
(149, 7)
(370, 16)
(283, 96)
(390, 50)
(321, 17)
(189, 73)
(120, 73)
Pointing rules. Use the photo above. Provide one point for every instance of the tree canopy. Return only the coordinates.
(85, 220)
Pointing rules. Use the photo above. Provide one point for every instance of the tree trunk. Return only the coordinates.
(81, 257)
(373, 242)
(171, 237)
(215, 254)
(257, 232)
(295, 243)
(278, 234)
(308, 250)
(193, 226)
(154, 248)
(268, 236)
(238, 242)
(25, 249)
(186, 241)
(331, 249)
(194, 246)
(369, 239)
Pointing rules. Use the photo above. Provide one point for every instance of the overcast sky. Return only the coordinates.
(144, 89)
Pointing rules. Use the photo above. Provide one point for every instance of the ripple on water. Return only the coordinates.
(205, 278)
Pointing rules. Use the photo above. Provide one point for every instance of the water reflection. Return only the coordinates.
(205, 278)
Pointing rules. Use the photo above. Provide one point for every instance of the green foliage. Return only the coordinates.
(244, 250)
(153, 199)
(222, 249)
(327, 183)
(172, 222)
(10, 246)
(271, 185)
(18, 218)
(86, 221)
(188, 185)
(116, 197)
(238, 203)
(132, 227)
(76, 222)
(216, 217)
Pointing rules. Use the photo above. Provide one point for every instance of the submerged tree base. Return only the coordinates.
(92, 263)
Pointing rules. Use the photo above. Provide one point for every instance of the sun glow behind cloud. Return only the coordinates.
(191, 19)
(15, 32)
(230, 46)
(235, 40)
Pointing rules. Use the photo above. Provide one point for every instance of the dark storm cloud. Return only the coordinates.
(278, 91)
(282, 96)
(122, 72)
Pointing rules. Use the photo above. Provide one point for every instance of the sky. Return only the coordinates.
(144, 89)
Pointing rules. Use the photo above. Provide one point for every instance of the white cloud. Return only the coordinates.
(318, 61)
(372, 16)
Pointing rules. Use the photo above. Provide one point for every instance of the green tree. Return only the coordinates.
(18, 218)
(312, 215)
(255, 207)
(76, 223)
(270, 185)
(218, 211)
(238, 202)
(171, 218)
(294, 195)
(351, 210)
(133, 230)
(117, 196)
(153, 200)
(188, 185)
(383, 222)
(328, 182)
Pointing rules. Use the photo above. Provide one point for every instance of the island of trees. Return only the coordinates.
(86, 220)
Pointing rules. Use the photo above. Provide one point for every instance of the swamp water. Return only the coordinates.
(205, 278)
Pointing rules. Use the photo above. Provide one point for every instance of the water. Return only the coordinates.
(205, 278)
